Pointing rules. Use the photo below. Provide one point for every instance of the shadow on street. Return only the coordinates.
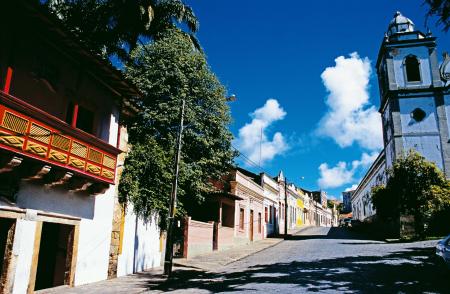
(409, 271)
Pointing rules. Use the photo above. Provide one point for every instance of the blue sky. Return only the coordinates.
(262, 51)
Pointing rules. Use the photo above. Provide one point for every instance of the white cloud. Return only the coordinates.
(353, 187)
(335, 176)
(350, 117)
(366, 160)
(253, 135)
(343, 173)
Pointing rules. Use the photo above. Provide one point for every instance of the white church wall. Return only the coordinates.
(428, 146)
(390, 154)
(362, 198)
(411, 126)
(447, 109)
(422, 136)
(425, 70)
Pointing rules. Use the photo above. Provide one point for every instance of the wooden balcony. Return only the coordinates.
(28, 132)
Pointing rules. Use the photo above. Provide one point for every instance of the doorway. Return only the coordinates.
(251, 225)
(7, 228)
(54, 261)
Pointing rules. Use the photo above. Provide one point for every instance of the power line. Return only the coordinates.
(248, 160)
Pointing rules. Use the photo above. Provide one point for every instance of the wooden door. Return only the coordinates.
(251, 225)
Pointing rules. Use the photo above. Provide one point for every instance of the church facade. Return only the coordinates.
(414, 105)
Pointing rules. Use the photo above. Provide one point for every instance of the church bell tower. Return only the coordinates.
(414, 94)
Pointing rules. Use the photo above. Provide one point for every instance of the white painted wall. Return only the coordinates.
(23, 247)
(95, 227)
(95, 240)
(140, 247)
(57, 201)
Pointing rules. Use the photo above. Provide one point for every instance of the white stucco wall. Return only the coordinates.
(95, 226)
(23, 247)
(140, 247)
(95, 240)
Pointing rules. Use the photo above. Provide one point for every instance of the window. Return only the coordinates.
(259, 222)
(418, 115)
(266, 214)
(270, 214)
(85, 119)
(80, 117)
(412, 69)
(241, 219)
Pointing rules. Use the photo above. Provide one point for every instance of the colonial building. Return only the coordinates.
(347, 201)
(414, 105)
(249, 210)
(361, 199)
(271, 204)
(60, 108)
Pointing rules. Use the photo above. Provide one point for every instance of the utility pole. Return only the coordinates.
(285, 207)
(173, 199)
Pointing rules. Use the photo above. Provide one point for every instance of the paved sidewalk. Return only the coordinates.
(142, 282)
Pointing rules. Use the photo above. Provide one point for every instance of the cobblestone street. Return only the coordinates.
(317, 259)
(327, 261)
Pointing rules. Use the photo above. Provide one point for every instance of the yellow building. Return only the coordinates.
(300, 207)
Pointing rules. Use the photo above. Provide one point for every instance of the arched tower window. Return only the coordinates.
(412, 67)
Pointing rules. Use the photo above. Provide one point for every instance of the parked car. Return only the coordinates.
(443, 251)
(347, 222)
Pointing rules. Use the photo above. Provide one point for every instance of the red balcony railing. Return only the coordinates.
(31, 132)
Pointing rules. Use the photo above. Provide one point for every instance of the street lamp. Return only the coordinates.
(168, 258)
(173, 199)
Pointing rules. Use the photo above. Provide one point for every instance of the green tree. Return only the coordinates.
(415, 187)
(116, 26)
(167, 71)
(441, 9)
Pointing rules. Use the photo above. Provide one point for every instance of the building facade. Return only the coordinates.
(361, 198)
(271, 204)
(249, 222)
(347, 201)
(414, 105)
(60, 108)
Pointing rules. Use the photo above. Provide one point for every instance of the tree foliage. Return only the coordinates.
(116, 26)
(415, 187)
(167, 71)
(441, 9)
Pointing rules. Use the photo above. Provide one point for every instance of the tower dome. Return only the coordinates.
(400, 24)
